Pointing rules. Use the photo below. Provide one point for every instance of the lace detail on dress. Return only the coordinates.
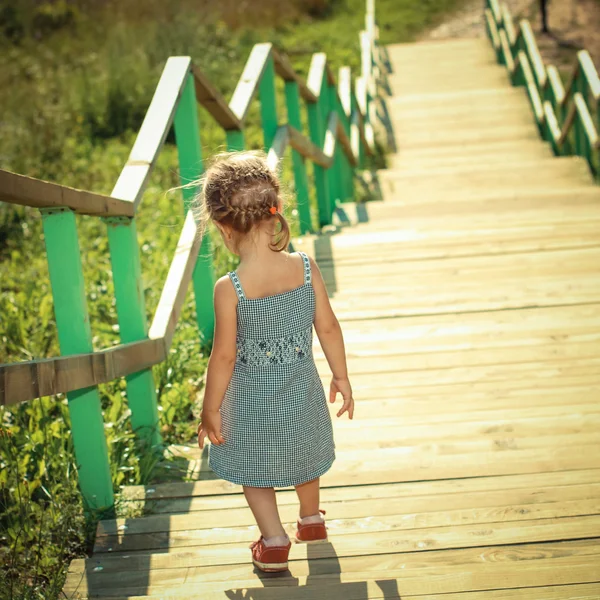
(278, 351)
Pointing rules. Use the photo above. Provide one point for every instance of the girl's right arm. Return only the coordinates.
(330, 335)
(221, 362)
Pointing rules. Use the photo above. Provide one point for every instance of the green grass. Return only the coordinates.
(74, 87)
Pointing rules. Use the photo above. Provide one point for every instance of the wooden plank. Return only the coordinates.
(409, 525)
(384, 590)
(277, 150)
(209, 97)
(316, 73)
(586, 120)
(249, 80)
(533, 53)
(371, 543)
(556, 84)
(591, 75)
(378, 514)
(307, 149)
(330, 136)
(28, 191)
(231, 495)
(46, 377)
(509, 26)
(345, 143)
(155, 127)
(178, 278)
(345, 90)
(284, 69)
(453, 571)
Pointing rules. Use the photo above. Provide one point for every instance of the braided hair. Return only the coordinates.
(241, 191)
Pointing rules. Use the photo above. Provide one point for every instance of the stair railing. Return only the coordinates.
(563, 113)
(340, 136)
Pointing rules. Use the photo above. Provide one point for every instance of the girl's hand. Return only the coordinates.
(343, 387)
(210, 427)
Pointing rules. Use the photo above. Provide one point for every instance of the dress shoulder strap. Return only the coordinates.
(237, 285)
(307, 269)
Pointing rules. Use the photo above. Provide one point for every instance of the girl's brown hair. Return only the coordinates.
(240, 191)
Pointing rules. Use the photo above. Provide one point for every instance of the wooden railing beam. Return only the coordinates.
(27, 191)
(208, 96)
(307, 149)
(24, 381)
(175, 288)
(249, 80)
(155, 127)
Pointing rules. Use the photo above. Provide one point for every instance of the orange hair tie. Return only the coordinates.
(273, 210)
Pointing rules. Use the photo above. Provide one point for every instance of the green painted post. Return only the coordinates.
(579, 86)
(334, 173)
(235, 140)
(268, 103)
(75, 337)
(133, 326)
(292, 100)
(317, 134)
(187, 136)
(361, 148)
(347, 169)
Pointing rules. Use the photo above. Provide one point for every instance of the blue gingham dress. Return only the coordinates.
(275, 420)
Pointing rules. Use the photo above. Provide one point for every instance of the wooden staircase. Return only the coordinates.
(470, 302)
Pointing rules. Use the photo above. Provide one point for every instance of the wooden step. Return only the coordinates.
(458, 108)
(462, 137)
(472, 179)
(437, 84)
(410, 101)
(525, 150)
(546, 167)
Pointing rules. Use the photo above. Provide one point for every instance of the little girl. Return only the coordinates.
(264, 409)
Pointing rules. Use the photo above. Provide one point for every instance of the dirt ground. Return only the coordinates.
(574, 25)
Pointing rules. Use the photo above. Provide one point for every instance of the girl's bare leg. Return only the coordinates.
(263, 505)
(308, 494)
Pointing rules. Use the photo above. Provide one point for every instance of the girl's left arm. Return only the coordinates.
(221, 362)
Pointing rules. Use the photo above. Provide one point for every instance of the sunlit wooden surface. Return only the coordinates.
(470, 301)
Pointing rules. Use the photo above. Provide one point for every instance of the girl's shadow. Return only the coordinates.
(324, 579)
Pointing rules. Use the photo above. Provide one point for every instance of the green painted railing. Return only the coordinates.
(567, 117)
(341, 135)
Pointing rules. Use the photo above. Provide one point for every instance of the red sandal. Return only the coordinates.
(270, 559)
(312, 533)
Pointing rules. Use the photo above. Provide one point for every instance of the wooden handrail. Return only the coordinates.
(316, 72)
(284, 69)
(506, 53)
(208, 96)
(577, 109)
(27, 380)
(532, 89)
(27, 191)
(493, 29)
(178, 278)
(307, 149)
(583, 63)
(534, 53)
(248, 83)
(497, 13)
(556, 84)
(518, 49)
(586, 120)
(276, 151)
(345, 90)
(330, 136)
(155, 127)
(591, 75)
(509, 26)
(31, 379)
